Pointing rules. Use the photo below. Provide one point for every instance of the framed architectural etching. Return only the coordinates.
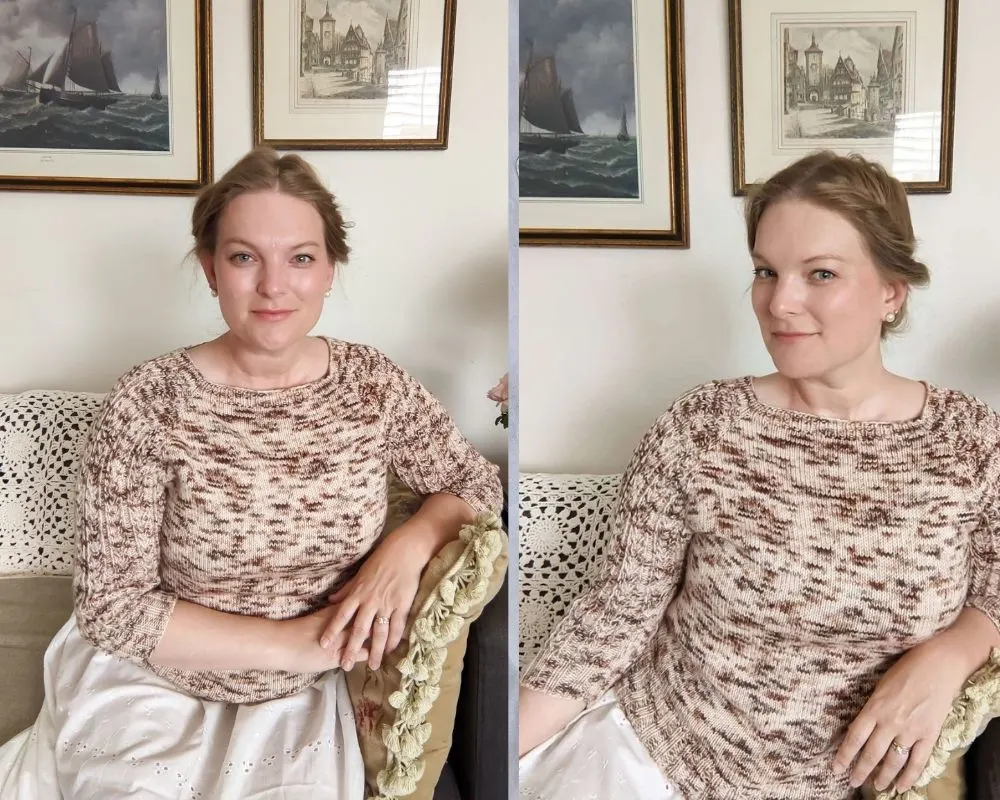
(602, 155)
(875, 77)
(94, 99)
(353, 74)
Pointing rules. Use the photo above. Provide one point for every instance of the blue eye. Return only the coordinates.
(240, 258)
(763, 272)
(303, 258)
(824, 274)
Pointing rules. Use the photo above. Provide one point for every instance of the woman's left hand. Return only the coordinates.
(896, 730)
(378, 598)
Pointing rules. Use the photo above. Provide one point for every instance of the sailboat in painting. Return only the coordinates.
(81, 74)
(16, 84)
(548, 118)
(156, 94)
(623, 128)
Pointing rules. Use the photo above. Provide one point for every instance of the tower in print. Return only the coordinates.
(327, 38)
(814, 71)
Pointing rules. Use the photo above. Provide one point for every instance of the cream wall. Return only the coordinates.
(92, 284)
(609, 337)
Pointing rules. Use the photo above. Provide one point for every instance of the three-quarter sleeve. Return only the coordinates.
(425, 449)
(120, 608)
(609, 624)
(984, 556)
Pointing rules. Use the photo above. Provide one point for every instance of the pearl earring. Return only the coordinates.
(890, 317)
(215, 293)
(327, 293)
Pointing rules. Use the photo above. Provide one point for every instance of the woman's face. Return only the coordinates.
(270, 268)
(818, 296)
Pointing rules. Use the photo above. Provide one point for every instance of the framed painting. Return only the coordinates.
(353, 74)
(875, 77)
(602, 153)
(94, 99)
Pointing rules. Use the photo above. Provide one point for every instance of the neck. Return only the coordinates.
(862, 390)
(253, 368)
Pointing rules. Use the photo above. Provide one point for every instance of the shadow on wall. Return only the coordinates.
(684, 335)
(969, 350)
(127, 299)
(466, 313)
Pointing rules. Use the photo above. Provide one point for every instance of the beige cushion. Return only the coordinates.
(949, 785)
(371, 690)
(32, 610)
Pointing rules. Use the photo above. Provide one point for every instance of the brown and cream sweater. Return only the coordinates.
(251, 502)
(766, 568)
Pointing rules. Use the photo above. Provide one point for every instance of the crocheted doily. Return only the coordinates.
(42, 434)
(563, 525)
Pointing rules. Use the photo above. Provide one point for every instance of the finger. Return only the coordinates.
(339, 621)
(893, 762)
(380, 635)
(855, 738)
(919, 756)
(341, 593)
(360, 631)
(397, 626)
(872, 754)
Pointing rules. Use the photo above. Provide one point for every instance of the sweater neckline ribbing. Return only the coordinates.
(804, 419)
(243, 395)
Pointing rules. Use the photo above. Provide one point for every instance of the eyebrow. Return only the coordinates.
(820, 257)
(245, 243)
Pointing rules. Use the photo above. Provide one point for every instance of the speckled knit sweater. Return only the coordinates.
(767, 567)
(251, 502)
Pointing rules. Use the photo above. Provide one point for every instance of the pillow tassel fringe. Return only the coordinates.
(439, 624)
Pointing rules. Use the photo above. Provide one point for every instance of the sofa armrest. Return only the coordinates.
(481, 718)
(982, 765)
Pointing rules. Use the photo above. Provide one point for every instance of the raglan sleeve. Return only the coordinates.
(427, 451)
(608, 625)
(119, 604)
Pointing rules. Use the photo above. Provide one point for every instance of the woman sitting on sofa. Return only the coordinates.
(803, 570)
(228, 489)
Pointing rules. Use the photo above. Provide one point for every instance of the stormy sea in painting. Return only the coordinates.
(600, 167)
(135, 122)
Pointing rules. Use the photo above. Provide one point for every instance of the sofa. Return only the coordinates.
(42, 434)
(563, 525)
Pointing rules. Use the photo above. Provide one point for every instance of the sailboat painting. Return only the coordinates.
(577, 101)
(84, 75)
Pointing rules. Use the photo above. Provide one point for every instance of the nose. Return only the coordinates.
(786, 297)
(273, 279)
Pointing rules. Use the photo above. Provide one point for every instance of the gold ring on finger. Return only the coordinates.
(380, 620)
(903, 751)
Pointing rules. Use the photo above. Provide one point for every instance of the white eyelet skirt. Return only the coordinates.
(110, 729)
(597, 756)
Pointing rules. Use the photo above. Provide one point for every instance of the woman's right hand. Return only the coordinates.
(301, 650)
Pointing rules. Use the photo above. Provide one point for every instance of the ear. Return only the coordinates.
(207, 261)
(895, 295)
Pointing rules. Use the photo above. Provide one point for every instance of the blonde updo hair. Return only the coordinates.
(263, 169)
(864, 194)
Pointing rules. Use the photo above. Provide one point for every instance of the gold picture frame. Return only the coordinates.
(378, 84)
(890, 94)
(645, 204)
(152, 135)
